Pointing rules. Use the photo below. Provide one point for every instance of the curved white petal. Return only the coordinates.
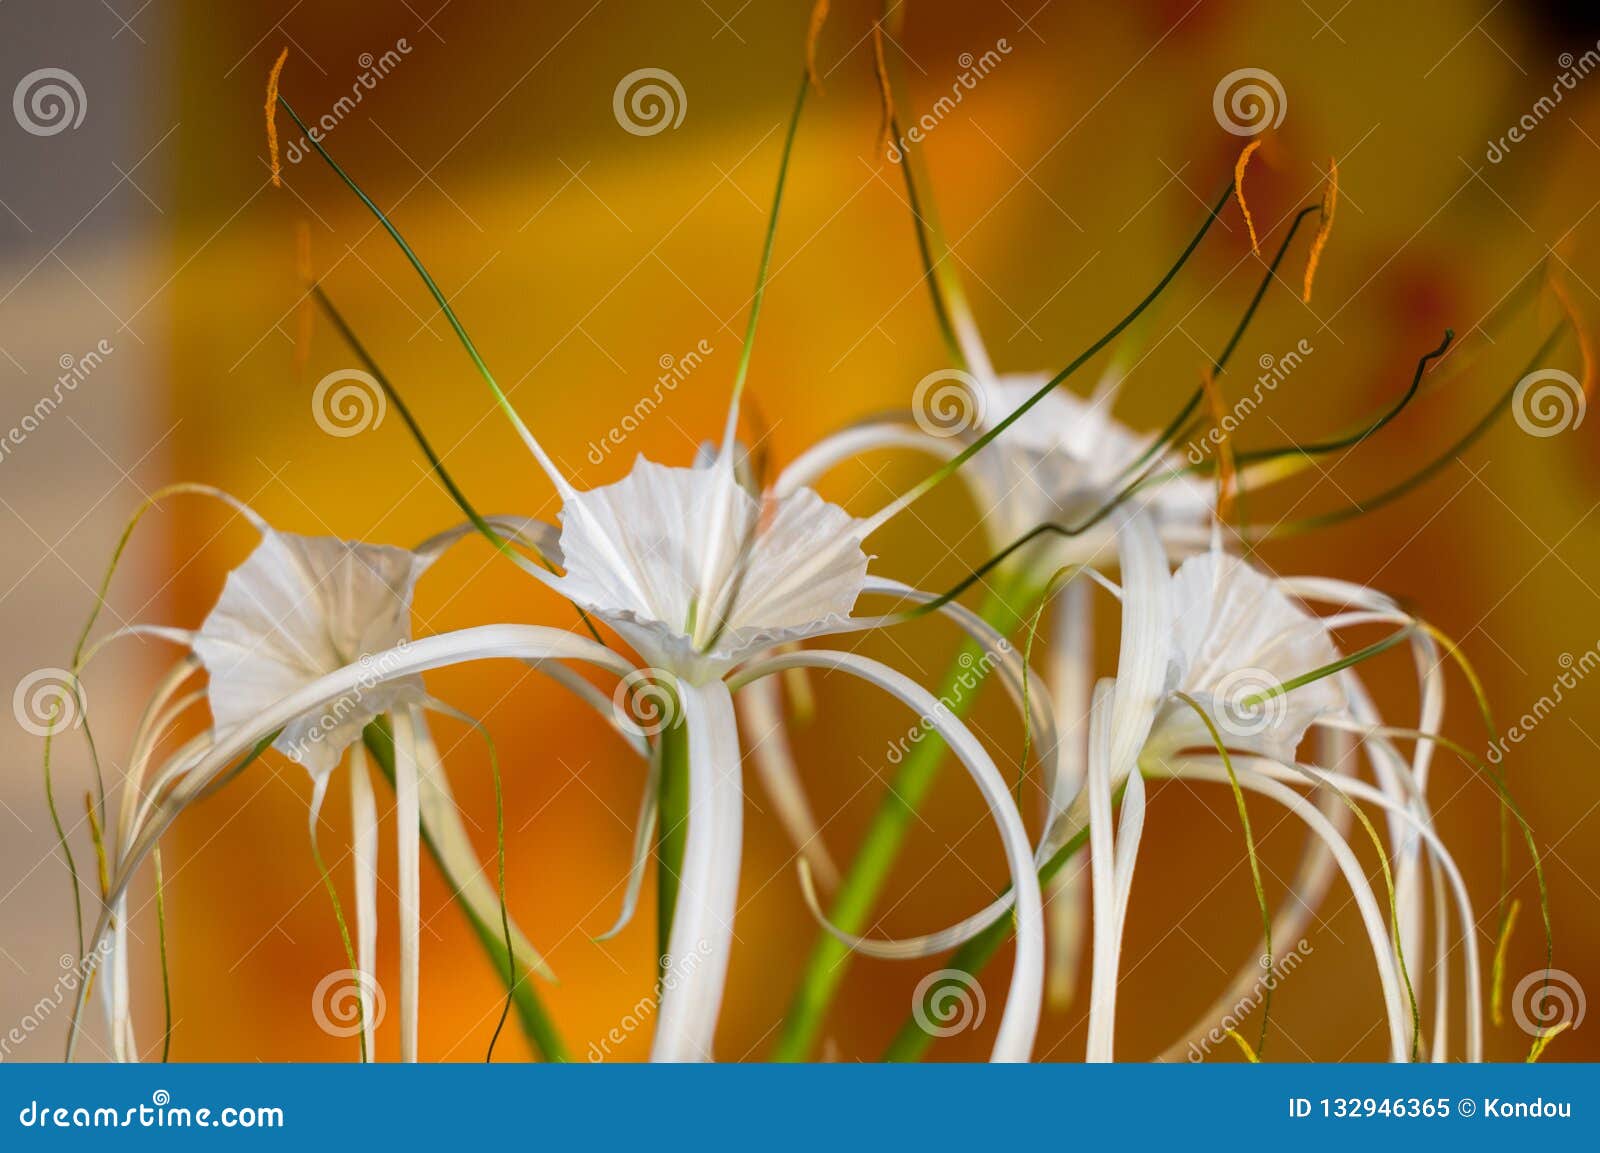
(702, 922)
(1020, 1022)
(1399, 1018)
(760, 706)
(858, 440)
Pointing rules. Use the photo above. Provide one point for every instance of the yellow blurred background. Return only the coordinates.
(580, 255)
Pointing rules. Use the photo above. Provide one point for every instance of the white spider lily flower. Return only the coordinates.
(297, 610)
(706, 580)
(1239, 639)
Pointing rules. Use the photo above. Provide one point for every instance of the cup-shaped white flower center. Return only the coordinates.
(698, 574)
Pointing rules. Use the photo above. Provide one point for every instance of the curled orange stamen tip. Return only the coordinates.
(272, 117)
(1585, 338)
(1238, 190)
(885, 91)
(819, 17)
(1330, 197)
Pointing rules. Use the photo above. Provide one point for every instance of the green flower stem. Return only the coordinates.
(911, 1043)
(531, 1013)
(672, 831)
(1004, 609)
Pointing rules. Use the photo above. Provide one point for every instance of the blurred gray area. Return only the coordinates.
(83, 426)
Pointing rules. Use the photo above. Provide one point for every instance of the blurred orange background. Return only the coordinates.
(580, 255)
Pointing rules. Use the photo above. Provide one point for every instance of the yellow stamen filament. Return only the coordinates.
(99, 842)
(1330, 197)
(881, 66)
(819, 17)
(272, 117)
(1226, 480)
(1497, 977)
(1585, 340)
(1544, 1039)
(1249, 1053)
(1238, 191)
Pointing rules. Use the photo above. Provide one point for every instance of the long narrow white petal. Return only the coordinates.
(364, 862)
(1102, 876)
(470, 881)
(1020, 1022)
(760, 706)
(1146, 644)
(644, 831)
(702, 923)
(408, 838)
(1071, 665)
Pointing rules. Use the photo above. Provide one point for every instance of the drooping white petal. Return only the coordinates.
(408, 836)
(1145, 658)
(858, 440)
(1071, 664)
(447, 832)
(760, 706)
(1020, 1022)
(696, 966)
(364, 862)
